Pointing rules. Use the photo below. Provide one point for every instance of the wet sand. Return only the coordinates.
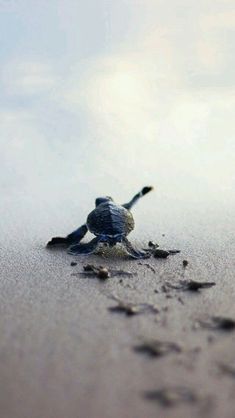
(64, 353)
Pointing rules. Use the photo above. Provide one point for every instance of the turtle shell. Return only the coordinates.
(110, 219)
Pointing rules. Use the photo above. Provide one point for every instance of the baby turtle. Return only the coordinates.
(109, 222)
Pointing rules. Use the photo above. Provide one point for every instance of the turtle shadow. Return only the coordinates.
(103, 252)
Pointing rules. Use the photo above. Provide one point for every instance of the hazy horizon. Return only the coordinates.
(105, 97)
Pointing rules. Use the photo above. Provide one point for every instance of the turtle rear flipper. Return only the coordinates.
(75, 237)
(88, 248)
(132, 251)
(57, 241)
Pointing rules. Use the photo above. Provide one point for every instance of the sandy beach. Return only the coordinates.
(65, 353)
(102, 98)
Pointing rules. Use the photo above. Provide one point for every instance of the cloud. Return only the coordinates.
(28, 77)
(150, 107)
(140, 103)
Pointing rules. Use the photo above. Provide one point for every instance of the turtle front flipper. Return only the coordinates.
(75, 237)
(135, 199)
(132, 251)
(88, 248)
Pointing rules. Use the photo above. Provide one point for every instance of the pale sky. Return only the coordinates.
(106, 96)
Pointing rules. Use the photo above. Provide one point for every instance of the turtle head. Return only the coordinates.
(104, 199)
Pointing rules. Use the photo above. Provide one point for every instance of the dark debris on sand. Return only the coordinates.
(148, 266)
(101, 272)
(157, 348)
(218, 323)
(174, 251)
(172, 396)
(129, 308)
(228, 369)
(190, 285)
(158, 253)
(153, 245)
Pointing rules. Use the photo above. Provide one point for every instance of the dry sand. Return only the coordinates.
(65, 354)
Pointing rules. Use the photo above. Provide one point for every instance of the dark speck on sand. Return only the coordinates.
(172, 396)
(133, 308)
(228, 369)
(157, 348)
(218, 323)
(191, 285)
(160, 253)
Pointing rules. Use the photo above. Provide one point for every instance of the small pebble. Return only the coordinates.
(127, 308)
(103, 273)
(152, 244)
